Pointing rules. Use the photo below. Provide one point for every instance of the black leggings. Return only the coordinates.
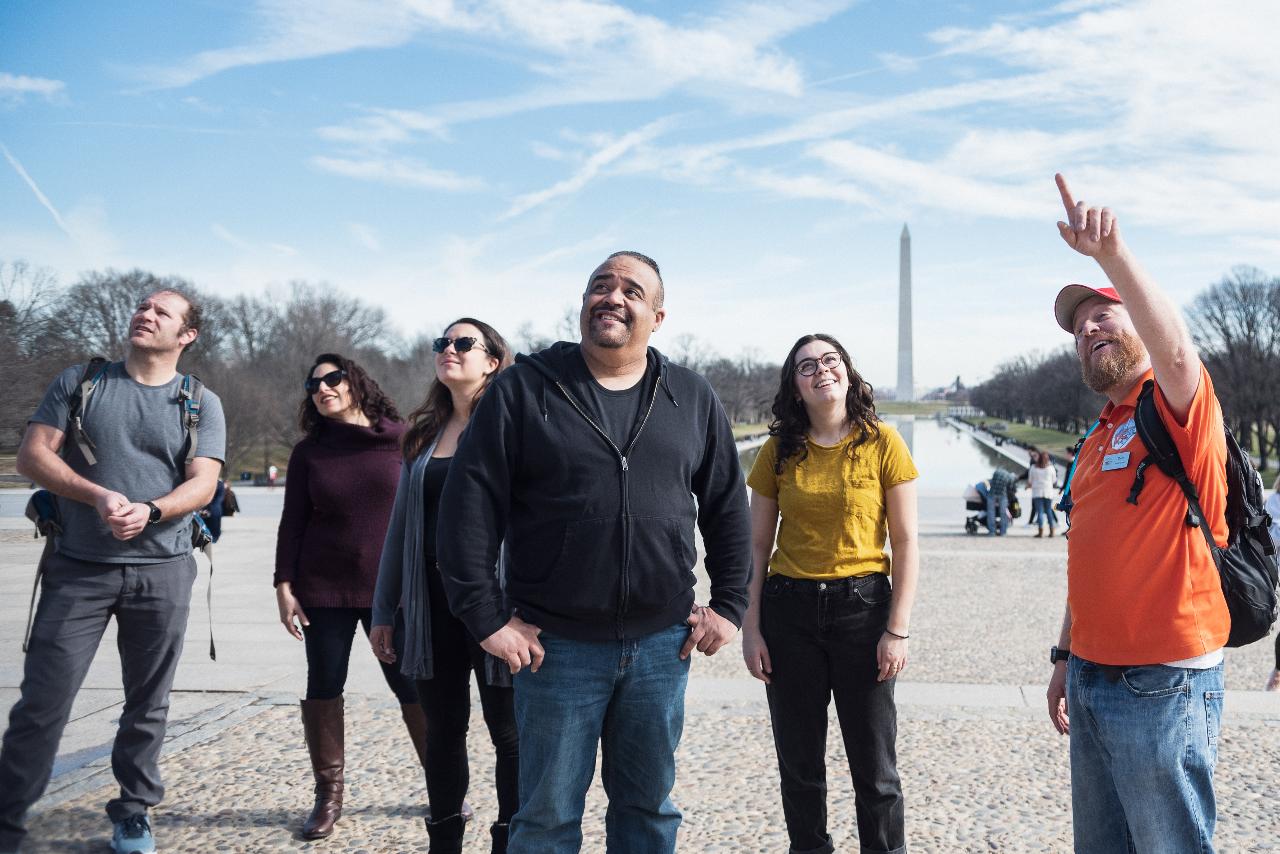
(329, 639)
(446, 701)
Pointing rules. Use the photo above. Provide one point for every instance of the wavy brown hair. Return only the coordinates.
(425, 421)
(366, 395)
(791, 421)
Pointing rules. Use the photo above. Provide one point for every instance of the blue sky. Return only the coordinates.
(449, 158)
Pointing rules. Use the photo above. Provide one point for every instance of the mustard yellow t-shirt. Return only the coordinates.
(832, 505)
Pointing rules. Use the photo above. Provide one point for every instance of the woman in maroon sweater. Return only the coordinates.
(340, 486)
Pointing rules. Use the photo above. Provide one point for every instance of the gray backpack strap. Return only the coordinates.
(190, 393)
(93, 373)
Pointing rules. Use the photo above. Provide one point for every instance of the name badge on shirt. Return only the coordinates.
(1111, 462)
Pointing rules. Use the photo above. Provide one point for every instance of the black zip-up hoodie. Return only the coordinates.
(599, 539)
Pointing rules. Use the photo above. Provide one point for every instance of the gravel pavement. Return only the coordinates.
(982, 768)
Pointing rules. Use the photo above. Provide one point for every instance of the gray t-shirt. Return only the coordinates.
(140, 445)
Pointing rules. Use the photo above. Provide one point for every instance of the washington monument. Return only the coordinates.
(906, 379)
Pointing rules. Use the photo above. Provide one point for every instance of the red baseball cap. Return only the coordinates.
(1070, 297)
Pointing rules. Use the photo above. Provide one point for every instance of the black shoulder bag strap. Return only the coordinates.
(1162, 451)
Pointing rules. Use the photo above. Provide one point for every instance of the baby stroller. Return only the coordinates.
(975, 501)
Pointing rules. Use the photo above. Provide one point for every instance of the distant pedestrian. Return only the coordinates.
(827, 621)
(272, 473)
(1140, 690)
(1273, 508)
(1000, 497)
(128, 474)
(337, 500)
(1042, 477)
(212, 512)
(438, 651)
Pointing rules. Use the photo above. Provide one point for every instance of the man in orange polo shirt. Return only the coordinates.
(1137, 672)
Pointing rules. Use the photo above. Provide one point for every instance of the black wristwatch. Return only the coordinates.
(1056, 655)
(154, 515)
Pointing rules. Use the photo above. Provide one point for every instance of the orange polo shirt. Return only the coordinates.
(1141, 583)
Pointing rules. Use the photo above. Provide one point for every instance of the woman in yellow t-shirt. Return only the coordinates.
(827, 621)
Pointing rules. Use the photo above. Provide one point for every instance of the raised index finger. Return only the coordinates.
(1068, 201)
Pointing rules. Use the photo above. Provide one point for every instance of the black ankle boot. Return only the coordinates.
(499, 830)
(446, 835)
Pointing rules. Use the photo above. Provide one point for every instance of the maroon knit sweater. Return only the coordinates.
(338, 495)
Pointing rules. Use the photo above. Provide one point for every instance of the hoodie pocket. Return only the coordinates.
(662, 554)
(574, 573)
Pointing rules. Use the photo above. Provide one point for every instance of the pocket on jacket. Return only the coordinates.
(662, 554)
(573, 572)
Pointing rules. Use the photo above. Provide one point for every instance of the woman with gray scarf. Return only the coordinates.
(438, 651)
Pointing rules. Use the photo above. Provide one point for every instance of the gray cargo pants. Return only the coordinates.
(150, 603)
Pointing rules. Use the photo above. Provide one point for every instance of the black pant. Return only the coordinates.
(822, 640)
(446, 701)
(328, 641)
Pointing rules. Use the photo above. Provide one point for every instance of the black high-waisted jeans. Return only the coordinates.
(822, 639)
(328, 640)
(446, 701)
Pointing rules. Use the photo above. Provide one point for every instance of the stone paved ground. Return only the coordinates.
(982, 769)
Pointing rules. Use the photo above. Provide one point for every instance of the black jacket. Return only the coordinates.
(599, 540)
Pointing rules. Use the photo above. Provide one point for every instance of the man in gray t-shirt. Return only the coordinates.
(124, 551)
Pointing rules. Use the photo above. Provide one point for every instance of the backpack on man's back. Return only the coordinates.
(1247, 564)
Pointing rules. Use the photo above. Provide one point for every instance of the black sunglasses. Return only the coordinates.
(330, 379)
(460, 345)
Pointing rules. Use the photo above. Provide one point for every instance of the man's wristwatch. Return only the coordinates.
(1056, 655)
(154, 515)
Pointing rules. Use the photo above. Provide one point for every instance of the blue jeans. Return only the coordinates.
(996, 515)
(1042, 513)
(627, 696)
(1144, 741)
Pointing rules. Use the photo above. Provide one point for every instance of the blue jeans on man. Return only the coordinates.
(627, 696)
(997, 512)
(1144, 741)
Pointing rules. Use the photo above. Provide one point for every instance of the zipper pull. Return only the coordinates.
(624, 463)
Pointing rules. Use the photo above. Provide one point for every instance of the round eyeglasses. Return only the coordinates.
(809, 367)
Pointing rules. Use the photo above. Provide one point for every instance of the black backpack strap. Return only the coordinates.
(1162, 451)
(93, 372)
(190, 394)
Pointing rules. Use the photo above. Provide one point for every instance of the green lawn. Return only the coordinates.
(1054, 441)
(926, 407)
(741, 431)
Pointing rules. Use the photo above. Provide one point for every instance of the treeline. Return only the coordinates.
(1236, 327)
(254, 350)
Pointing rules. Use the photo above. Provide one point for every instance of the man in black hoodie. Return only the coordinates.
(590, 464)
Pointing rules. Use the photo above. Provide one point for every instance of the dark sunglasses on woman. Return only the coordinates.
(460, 345)
(330, 379)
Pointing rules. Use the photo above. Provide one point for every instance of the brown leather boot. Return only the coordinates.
(415, 721)
(322, 722)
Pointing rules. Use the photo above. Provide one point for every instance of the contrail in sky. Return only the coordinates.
(44, 200)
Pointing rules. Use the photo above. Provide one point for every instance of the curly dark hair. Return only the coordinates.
(365, 394)
(791, 421)
(425, 421)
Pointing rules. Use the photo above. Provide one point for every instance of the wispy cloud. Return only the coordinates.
(229, 237)
(397, 173)
(607, 154)
(365, 235)
(35, 189)
(15, 87)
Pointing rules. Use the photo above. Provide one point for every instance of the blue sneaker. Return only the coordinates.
(133, 836)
